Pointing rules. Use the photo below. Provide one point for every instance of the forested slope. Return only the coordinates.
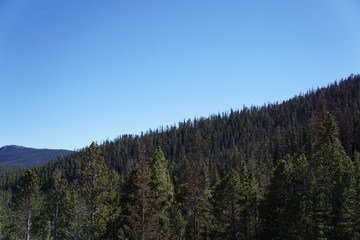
(286, 170)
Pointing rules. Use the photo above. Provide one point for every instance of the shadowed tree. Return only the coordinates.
(226, 207)
(285, 209)
(333, 175)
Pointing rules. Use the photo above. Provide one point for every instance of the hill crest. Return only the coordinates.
(27, 157)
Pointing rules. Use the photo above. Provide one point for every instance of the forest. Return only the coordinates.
(288, 170)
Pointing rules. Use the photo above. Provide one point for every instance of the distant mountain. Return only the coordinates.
(27, 157)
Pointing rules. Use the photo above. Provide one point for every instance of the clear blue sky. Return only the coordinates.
(73, 72)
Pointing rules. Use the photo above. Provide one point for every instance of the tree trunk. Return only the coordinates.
(28, 225)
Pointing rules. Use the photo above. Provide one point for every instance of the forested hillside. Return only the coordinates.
(4, 168)
(287, 170)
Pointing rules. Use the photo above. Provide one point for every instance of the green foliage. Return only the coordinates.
(60, 208)
(333, 175)
(193, 196)
(176, 222)
(141, 220)
(285, 210)
(249, 203)
(97, 192)
(5, 168)
(25, 206)
(226, 207)
(152, 211)
(162, 192)
(356, 199)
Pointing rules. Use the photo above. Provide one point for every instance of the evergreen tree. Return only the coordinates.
(3, 218)
(226, 207)
(303, 185)
(97, 182)
(170, 219)
(194, 199)
(332, 196)
(78, 230)
(274, 211)
(284, 211)
(176, 223)
(162, 190)
(356, 199)
(25, 205)
(152, 212)
(141, 219)
(205, 216)
(60, 207)
(249, 205)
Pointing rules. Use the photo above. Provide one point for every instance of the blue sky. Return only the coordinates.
(73, 72)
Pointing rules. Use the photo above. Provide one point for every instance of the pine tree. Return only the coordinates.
(205, 216)
(176, 229)
(356, 199)
(3, 218)
(151, 212)
(192, 189)
(226, 207)
(274, 214)
(25, 205)
(141, 220)
(161, 189)
(333, 174)
(170, 219)
(60, 207)
(96, 182)
(284, 211)
(249, 204)
(303, 185)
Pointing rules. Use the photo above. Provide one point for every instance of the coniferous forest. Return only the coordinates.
(288, 170)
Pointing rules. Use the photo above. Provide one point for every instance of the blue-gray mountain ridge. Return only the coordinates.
(28, 157)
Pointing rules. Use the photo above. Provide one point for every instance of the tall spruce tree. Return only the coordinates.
(162, 190)
(163, 195)
(333, 175)
(303, 185)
